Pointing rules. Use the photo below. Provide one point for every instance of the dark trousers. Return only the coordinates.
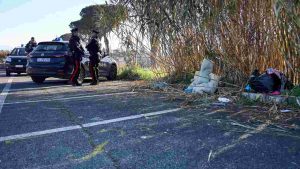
(76, 71)
(94, 71)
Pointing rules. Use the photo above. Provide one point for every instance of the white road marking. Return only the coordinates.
(62, 86)
(5, 93)
(69, 98)
(40, 88)
(86, 125)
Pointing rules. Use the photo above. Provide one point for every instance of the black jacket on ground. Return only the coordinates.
(94, 49)
(76, 47)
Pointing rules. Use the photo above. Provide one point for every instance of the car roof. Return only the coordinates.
(64, 42)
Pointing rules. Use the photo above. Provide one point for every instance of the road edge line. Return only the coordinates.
(4, 93)
(86, 125)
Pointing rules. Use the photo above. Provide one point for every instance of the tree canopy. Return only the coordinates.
(103, 18)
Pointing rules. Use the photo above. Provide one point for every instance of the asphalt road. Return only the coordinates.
(54, 126)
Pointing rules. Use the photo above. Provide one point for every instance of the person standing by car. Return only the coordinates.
(94, 49)
(30, 45)
(77, 53)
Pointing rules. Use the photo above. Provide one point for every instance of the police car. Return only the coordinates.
(16, 61)
(53, 59)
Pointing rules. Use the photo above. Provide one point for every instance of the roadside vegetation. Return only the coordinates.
(295, 91)
(3, 54)
(136, 73)
(167, 40)
(239, 36)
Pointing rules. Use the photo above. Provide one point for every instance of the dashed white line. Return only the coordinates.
(4, 93)
(68, 98)
(86, 125)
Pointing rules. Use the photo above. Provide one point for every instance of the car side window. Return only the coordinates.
(13, 52)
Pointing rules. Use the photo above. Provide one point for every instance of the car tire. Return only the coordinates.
(81, 76)
(38, 79)
(7, 72)
(112, 75)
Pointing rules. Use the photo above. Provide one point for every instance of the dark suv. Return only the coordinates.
(16, 61)
(53, 59)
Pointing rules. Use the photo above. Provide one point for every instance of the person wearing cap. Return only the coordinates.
(77, 53)
(94, 49)
(30, 45)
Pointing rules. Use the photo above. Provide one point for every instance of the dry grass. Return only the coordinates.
(253, 36)
(3, 54)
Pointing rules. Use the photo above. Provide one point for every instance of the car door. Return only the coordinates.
(86, 62)
(102, 68)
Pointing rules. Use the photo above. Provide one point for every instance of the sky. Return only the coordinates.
(43, 19)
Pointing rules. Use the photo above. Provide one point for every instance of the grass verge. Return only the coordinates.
(136, 73)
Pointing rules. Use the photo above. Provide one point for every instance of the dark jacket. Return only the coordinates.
(29, 46)
(94, 49)
(76, 47)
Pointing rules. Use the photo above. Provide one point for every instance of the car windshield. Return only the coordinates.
(18, 52)
(51, 47)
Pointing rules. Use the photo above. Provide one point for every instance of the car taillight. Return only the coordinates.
(58, 56)
(61, 55)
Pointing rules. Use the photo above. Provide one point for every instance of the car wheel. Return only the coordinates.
(7, 72)
(112, 73)
(81, 76)
(37, 79)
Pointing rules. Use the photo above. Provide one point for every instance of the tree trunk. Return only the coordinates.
(106, 41)
(153, 45)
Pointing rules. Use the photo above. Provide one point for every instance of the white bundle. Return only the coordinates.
(204, 80)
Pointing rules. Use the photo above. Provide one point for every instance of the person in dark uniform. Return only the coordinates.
(30, 45)
(77, 53)
(94, 49)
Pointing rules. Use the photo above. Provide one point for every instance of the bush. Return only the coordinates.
(136, 73)
(183, 79)
(295, 91)
(3, 54)
(238, 35)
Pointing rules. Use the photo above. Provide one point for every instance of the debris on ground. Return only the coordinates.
(204, 80)
(159, 85)
(271, 86)
(282, 117)
(271, 82)
(223, 100)
(218, 104)
(285, 111)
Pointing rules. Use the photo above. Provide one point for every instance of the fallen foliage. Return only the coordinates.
(239, 108)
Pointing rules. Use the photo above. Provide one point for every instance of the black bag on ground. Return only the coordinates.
(270, 81)
(263, 83)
